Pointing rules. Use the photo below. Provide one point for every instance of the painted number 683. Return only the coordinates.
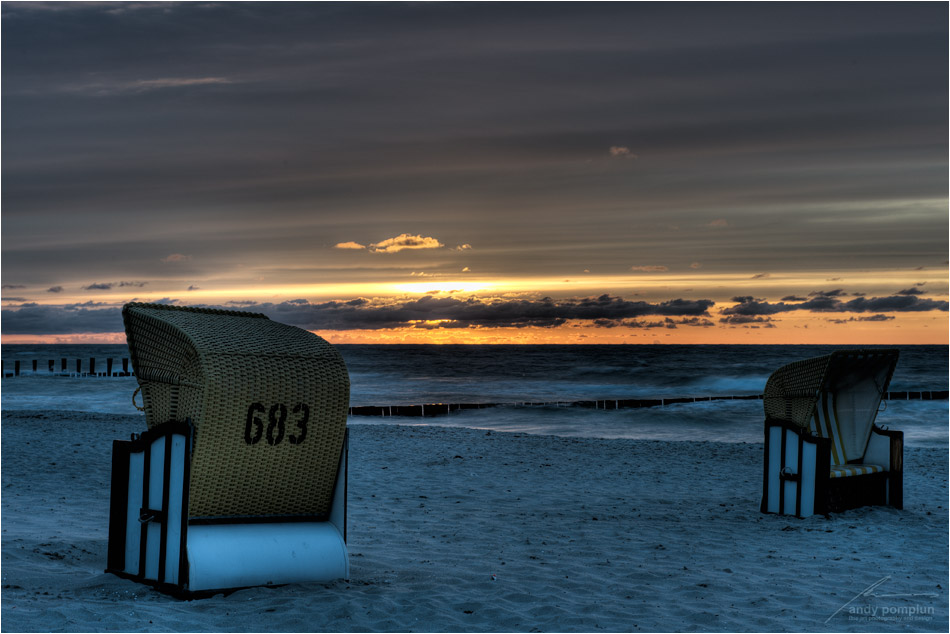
(254, 428)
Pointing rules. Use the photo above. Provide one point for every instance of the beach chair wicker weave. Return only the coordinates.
(823, 452)
(258, 410)
(268, 403)
(792, 390)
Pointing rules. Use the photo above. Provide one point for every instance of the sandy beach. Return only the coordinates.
(468, 530)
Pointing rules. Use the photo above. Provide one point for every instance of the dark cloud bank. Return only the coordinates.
(431, 312)
(830, 302)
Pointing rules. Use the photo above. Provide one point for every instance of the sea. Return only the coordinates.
(510, 376)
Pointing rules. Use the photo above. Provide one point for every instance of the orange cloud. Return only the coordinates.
(405, 241)
(620, 151)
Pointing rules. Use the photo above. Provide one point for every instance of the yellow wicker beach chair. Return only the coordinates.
(823, 451)
(240, 479)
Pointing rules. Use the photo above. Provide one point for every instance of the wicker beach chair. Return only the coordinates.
(240, 478)
(823, 451)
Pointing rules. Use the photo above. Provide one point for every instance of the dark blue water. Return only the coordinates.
(410, 374)
(451, 374)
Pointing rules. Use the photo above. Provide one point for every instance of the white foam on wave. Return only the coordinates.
(923, 422)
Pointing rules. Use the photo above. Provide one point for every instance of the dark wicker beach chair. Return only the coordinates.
(823, 451)
(240, 479)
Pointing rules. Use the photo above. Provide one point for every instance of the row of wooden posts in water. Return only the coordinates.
(65, 371)
(441, 409)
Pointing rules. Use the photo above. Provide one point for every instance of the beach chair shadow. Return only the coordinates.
(240, 478)
(823, 451)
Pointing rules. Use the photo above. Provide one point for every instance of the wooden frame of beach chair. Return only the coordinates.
(823, 451)
(240, 479)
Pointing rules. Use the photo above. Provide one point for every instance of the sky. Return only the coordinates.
(480, 172)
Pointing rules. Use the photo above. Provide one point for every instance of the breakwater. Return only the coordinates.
(108, 368)
(120, 367)
(442, 409)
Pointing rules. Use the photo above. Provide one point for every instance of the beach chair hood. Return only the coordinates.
(267, 403)
(844, 388)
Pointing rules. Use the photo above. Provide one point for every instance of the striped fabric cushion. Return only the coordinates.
(845, 470)
(825, 424)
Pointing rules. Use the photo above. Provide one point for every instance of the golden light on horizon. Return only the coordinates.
(424, 288)
(655, 287)
(719, 287)
(798, 328)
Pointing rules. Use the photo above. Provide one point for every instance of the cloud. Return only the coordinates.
(718, 223)
(349, 245)
(620, 151)
(910, 291)
(696, 321)
(425, 313)
(96, 286)
(405, 241)
(194, 288)
(761, 276)
(70, 319)
(55, 289)
(695, 265)
(650, 268)
(110, 88)
(463, 247)
(744, 319)
(103, 6)
(896, 303)
(175, 257)
(878, 317)
(454, 312)
(174, 82)
(431, 312)
(10, 286)
(665, 323)
(829, 302)
(838, 292)
(466, 270)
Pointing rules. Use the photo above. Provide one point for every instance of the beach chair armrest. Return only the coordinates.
(886, 448)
